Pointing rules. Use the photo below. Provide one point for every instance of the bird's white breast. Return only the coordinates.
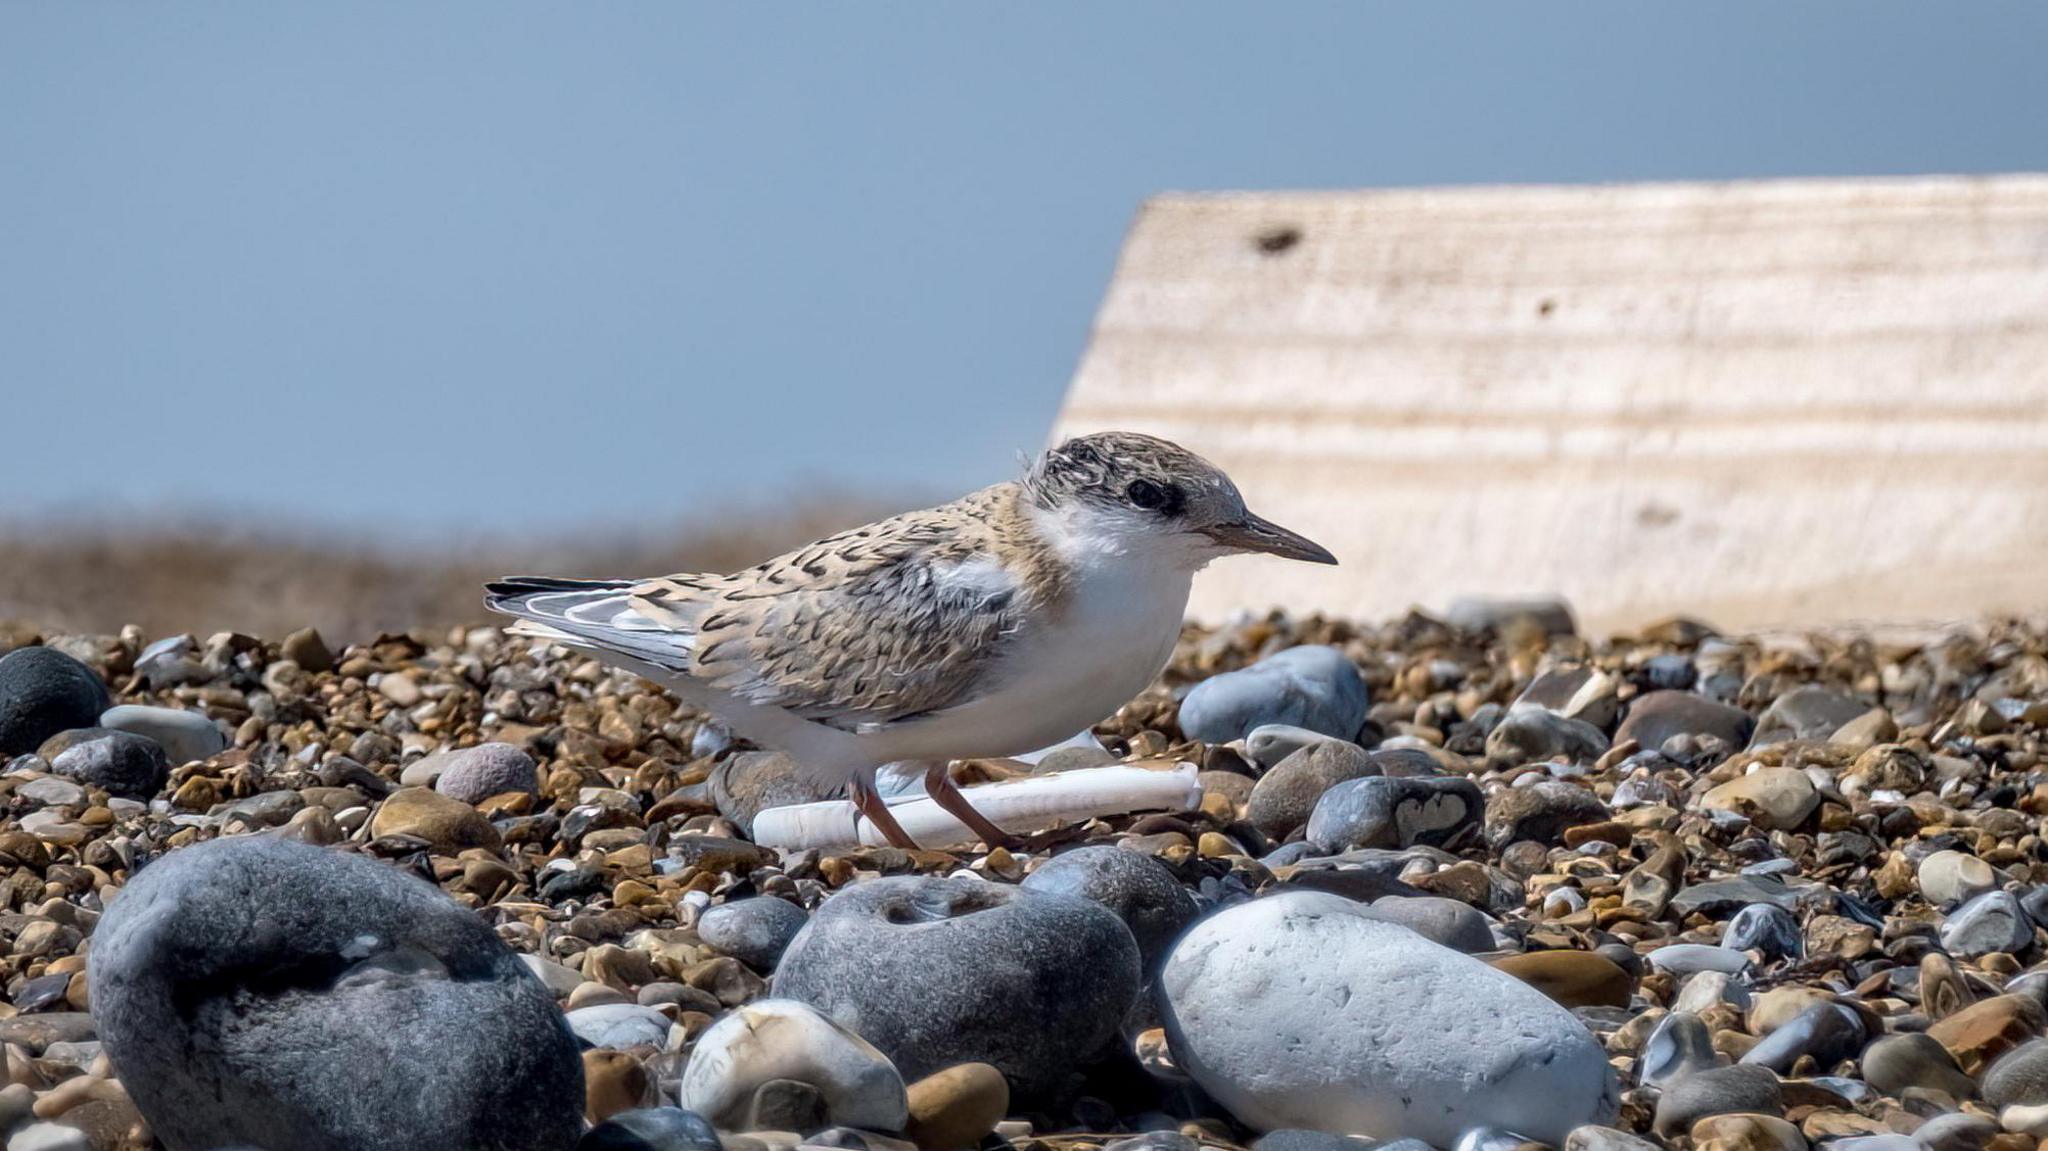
(1109, 636)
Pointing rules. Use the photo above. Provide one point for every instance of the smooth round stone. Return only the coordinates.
(1772, 798)
(1489, 1139)
(1312, 686)
(1955, 1131)
(1746, 1133)
(1808, 712)
(1269, 743)
(1829, 1032)
(780, 1039)
(1137, 888)
(474, 774)
(1446, 922)
(619, 1025)
(754, 931)
(1914, 1059)
(1593, 1137)
(1993, 921)
(2019, 1077)
(750, 782)
(250, 990)
(1571, 978)
(117, 762)
(954, 1109)
(1692, 958)
(936, 972)
(53, 791)
(652, 1129)
(1659, 715)
(1765, 927)
(1532, 735)
(1889, 1142)
(1287, 793)
(2031, 1120)
(42, 692)
(1367, 1028)
(1542, 812)
(1709, 988)
(1396, 812)
(1678, 1046)
(1717, 1091)
(448, 824)
(1950, 877)
(49, 1137)
(1298, 1139)
(185, 736)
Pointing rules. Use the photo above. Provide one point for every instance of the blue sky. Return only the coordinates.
(404, 267)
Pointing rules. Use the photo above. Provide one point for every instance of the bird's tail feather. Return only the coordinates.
(595, 615)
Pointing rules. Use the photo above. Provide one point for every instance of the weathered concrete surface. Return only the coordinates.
(1811, 401)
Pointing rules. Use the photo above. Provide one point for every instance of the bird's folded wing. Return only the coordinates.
(859, 631)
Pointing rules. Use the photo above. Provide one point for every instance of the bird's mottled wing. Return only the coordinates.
(866, 628)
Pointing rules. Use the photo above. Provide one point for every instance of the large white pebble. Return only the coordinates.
(1298, 1011)
(784, 1039)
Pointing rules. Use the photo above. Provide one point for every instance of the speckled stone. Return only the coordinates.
(936, 972)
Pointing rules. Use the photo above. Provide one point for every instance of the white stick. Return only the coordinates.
(1017, 805)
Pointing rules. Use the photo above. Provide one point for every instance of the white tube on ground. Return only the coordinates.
(1017, 805)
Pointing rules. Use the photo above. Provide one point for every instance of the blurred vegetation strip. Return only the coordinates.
(204, 578)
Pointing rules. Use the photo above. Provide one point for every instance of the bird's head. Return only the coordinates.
(1125, 492)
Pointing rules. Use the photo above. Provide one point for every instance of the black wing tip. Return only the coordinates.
(517, 585)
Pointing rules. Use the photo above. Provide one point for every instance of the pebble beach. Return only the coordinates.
(1471, 882)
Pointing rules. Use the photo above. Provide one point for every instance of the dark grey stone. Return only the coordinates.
(2019, 1077)
(42, 692)
(1915, 1059)
(1718, 1091)
(1809, 712)
(1718, 897)
(935, 972)
(1765, 927)
(256, 990)
(754, 931)
(1541, 812)
(118, 762)
(1659, 715)
(1311, 686)
(652, 1129)
(1394, 812)
(1136, 887)
(1533, 735)
(1829, 1032)
(1449, 922)
(1672, 672)
(786, 1105)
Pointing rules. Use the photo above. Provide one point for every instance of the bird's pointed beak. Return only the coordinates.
(1256, 534)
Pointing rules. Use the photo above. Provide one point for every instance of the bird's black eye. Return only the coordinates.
(1150, 496)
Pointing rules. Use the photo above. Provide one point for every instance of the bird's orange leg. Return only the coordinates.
(947, 795)
(868, 802)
